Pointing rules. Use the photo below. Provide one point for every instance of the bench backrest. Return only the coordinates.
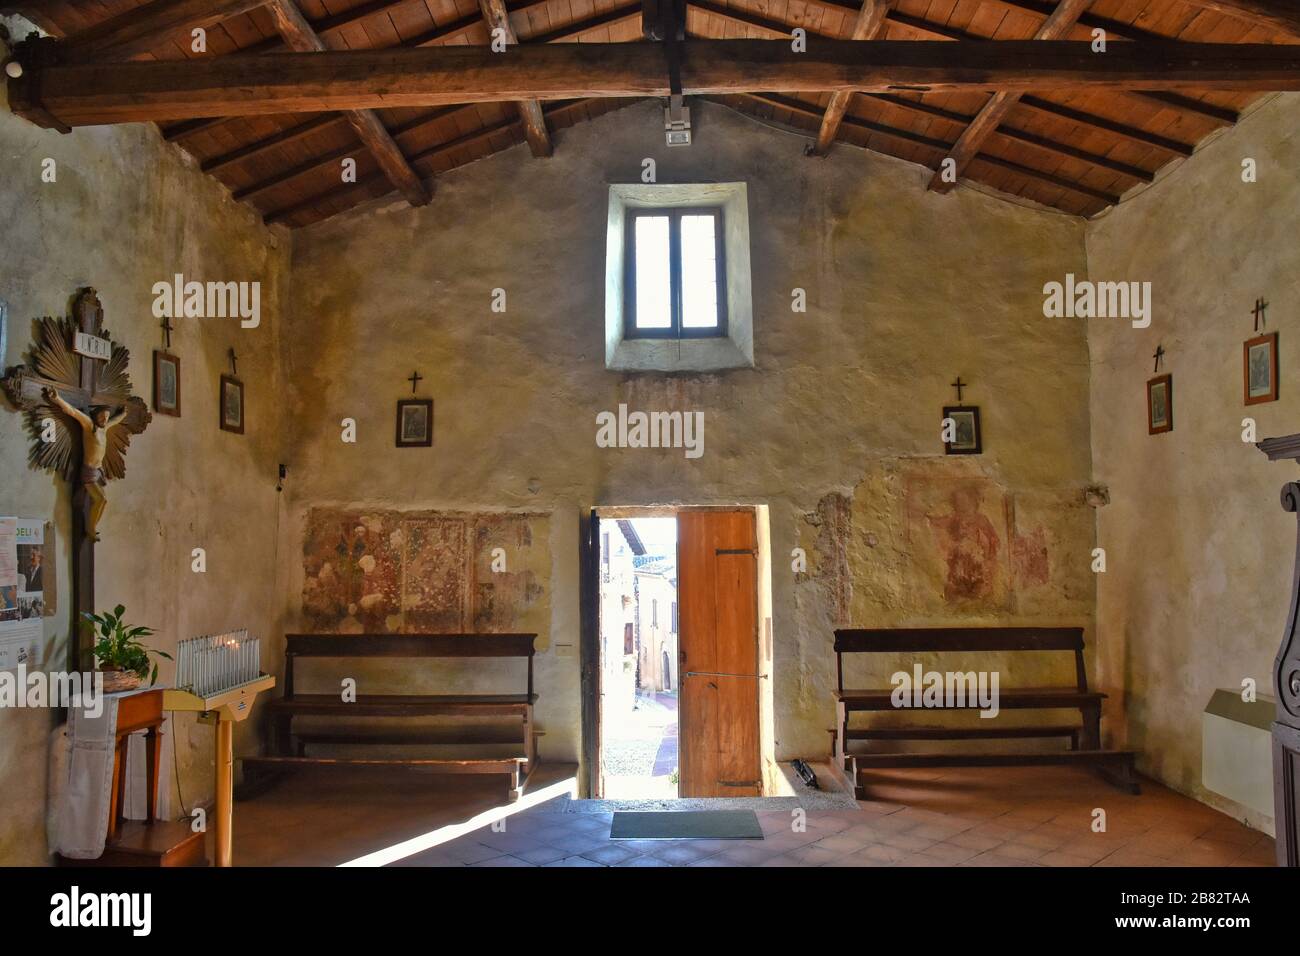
(886, 640)
(406, 645)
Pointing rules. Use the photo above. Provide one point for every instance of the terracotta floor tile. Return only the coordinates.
(1057, 858)
(995, 859)
(1021, 851)
(975, 841)
(841, 843)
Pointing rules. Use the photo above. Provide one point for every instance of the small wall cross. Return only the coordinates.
(959, 385)
(1258, 311)
(1159, 354)
(234, 368)
(167, 328)
(415, 381)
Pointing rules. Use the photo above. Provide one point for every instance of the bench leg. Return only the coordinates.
(530, 742)
(1091, 730)
(281, 743)
(1123, 777)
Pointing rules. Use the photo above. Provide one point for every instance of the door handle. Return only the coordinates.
(720, 674)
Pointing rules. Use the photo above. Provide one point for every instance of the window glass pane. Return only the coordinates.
(699, 272)
(653, 274)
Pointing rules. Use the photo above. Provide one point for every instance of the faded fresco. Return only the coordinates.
(941, 540)
(424, 572)
(972, 546)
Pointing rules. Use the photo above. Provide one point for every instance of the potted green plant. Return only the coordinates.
(123, 659)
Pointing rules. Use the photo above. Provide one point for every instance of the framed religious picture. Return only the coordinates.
(232, 404)
(1160, 404)
(1259, 372)
(965, 432)
(166, 383)
(414, 422)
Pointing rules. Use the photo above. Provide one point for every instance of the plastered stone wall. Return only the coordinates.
(1199, 551)
(906, 290)
(127, 211)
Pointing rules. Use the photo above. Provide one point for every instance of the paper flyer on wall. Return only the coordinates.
(22, 590)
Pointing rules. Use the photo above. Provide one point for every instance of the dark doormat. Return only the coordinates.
(686, 825)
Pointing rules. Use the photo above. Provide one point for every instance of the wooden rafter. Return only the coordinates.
(530, 111)
(1185, 104)
(870, 23)
(1020, 136)
(362, 189)
(940, 146)
(927, 29)
(988, 119)
(370, 129)
(95, 94)
(1281, 15)
(263, 186)
(328, 26)
(143, 28)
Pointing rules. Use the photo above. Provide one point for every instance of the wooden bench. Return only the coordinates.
(289, 744)
(1084, 737)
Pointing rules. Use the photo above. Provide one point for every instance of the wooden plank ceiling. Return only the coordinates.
(1074, 151)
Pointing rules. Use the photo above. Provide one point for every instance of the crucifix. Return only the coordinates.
(415, 381)
(959, 385)
(167, 328)
(1158, 356)
(234, 367)
(1258, 311)
(76, 394)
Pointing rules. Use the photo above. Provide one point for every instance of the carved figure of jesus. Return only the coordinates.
(94, 445)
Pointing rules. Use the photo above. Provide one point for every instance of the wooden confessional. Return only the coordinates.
(1286, 684)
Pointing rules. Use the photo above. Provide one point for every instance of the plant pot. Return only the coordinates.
(117, 680)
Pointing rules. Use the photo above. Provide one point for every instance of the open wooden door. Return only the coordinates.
(717, 582)
(589, 650)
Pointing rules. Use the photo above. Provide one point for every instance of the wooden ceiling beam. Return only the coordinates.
(1116, 29)
(300, 37)
(432, 37)
(530, 111)
(868, 25)
(260, 146)
(990, 117)
(327, 26)
(1131, 133)
(142, 28)
(1113, 28)
(96, 94)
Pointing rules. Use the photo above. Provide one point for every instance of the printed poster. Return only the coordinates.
(22, 591)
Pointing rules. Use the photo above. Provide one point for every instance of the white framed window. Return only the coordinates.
(677, 278)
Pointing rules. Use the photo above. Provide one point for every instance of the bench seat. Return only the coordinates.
(405, 705)
(1010, 698)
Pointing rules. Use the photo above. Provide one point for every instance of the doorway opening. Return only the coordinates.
(639, 653)
(677, 652)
